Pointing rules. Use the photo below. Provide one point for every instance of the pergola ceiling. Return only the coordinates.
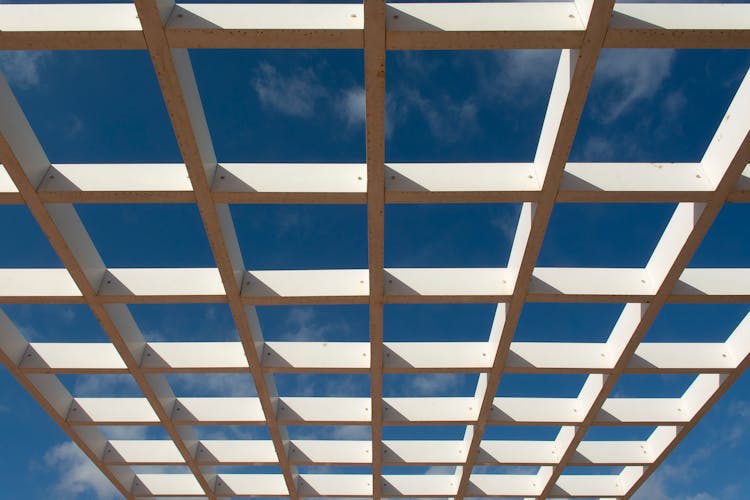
(580, 30)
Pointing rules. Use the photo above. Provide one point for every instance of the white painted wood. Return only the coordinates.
(517, 453)
(194, 356)
(236, 452)
(130, 284)
(33, 285)
(308, 452)
(324, 485)
(251, 485)
(142, 452)
(112, 411)
(72, 357)
(166, 484)
(223, 411)
(429, 410)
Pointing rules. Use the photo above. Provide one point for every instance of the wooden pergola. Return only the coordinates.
(580, 29)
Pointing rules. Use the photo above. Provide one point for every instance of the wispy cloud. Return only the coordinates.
(213, 384)
(447, 119)
(290, 94)
(629, 77)
(303, 324)
(352, 106)
(76, 474)
(23, 68)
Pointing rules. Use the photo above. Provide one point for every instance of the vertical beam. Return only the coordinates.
(726, 157)
(24, 160)
(574, 74)
(180, 92)
(374, 43)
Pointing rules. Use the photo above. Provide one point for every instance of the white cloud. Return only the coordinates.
(213, 384)
(104, 385)
(448, 120)
(293, 95)
(352, 106)
(430, 384)
(630, 76)
(302, 324)
(77, 475)
(23, 68)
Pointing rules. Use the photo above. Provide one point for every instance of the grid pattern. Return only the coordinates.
(580, 29)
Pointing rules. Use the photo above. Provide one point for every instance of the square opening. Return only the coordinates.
(696, 322)
(131, 432)
(56, 322)
(101, 386)
(212, 385)
(459, 106)
(424, 432)
(302, 236)
(726, 244)
(656, 104)
(430, 385)
(185, 322)
(330, 432)
(563, 322)
(619, 432)
(540, 385)
(95, 106)
(504, 470)
(437, 322)
(329, 323)
(593, 470)
(28, 247)
(322, 385)
(334, 469)
(231, 432)
(283, 105)
(647, 385)
(603, 234)
(418, 470)
(148, 235)
(450, 235)
(521, 433)
(248, 469)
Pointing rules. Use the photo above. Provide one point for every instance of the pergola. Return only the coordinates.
(580, 29)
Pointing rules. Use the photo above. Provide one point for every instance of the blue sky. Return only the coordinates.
(307, 106)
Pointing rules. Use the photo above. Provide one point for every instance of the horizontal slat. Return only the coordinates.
(269, 25)
(673, 357)
(194, 357)
(611, 453)
(69, 27)
(344, 183)
(37, 285)
(161, 284)
(539, 411)
(316, 356)
(587, 486)
(236, 452)
(218, 411)
(411, 26)
(517, 453)
(167, 485)
(58, 357)
(686, 25)
(251, 485)
(112, 411)
(349, 286)
(643, 411)
(557, 357)
(142, 452)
